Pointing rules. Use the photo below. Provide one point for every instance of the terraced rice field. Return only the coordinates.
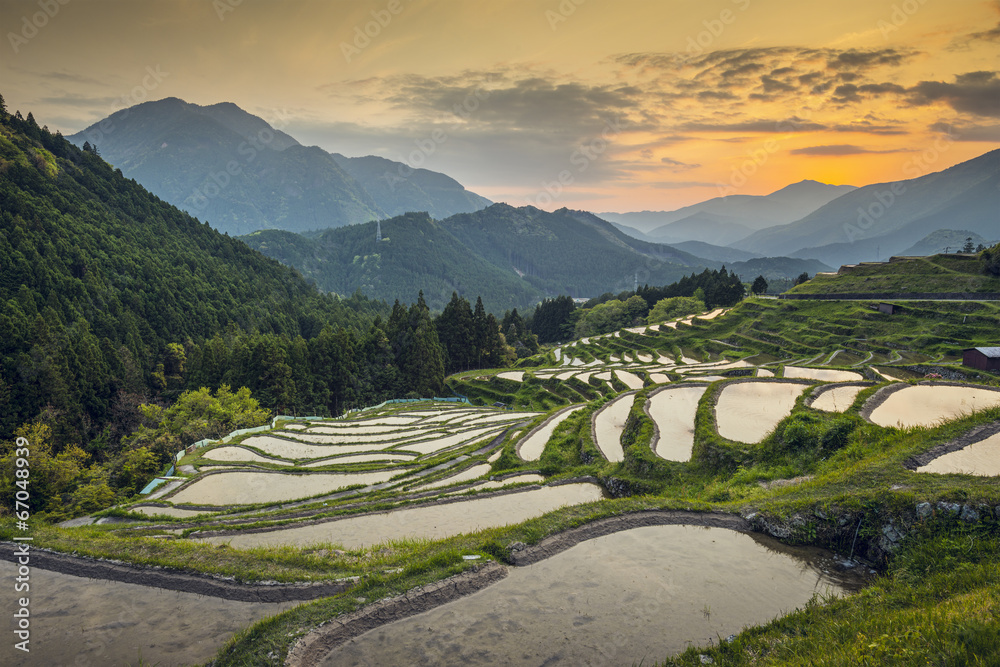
(533, 445)
(609, 423)
(632, 581)
(430, 522)
(673, 411)
(980, 458)
(929, 405)
(748, 411)
(837, 399)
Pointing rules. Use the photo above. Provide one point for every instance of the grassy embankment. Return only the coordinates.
(937, 273)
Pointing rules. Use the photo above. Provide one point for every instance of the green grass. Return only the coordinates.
(938, 273)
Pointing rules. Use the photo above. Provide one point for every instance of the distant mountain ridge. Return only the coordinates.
(885, 219)
(512, 257)
(231, 168)
(753, 212)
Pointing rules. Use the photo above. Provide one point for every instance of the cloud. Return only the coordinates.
(841, 149)
(974, 92)
(968, 132)
(677, 165)
(867, 127)
(854, 59)
(793, 124)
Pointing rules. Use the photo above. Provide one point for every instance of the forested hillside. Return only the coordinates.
(415, 253)
(114, 304)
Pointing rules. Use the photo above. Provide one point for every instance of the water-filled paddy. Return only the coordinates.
(980, 458)
(532, 447)
(837, 399)
(245, 488)
(239, 454)
(433, 522)
(82, 621)
(639, 595)
(929, 405)
(822, 374)
(609, 424)
(673, 411)
(748, 411)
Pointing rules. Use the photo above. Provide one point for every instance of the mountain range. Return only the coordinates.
(234, 170)
(724, 220)
(512, 257)
(883, 219)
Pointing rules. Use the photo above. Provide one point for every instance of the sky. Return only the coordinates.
(621, 105)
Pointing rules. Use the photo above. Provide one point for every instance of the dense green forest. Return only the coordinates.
(415, 252)
(113, 302)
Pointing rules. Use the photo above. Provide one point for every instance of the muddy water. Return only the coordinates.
(532, 448)
(231, 454)
(673, 411)
(822, 374)
(299, 450)
(931, 405)
(168, 511)
(631, 380)
(244, 488)
(434, 522)
(80, 621)
(608, 426)
(466, 475)
(837, 399)
(439, 444)
(361, 458)
(634, 597)
(748, 411)
(980, 458)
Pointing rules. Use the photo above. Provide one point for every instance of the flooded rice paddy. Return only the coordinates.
(837, 399)
(980, 458)
(532, 447)
(929, 405)
(609, 423)
(748, 411)
(430, 522)
(673, 411)
(640, 595)
(82, 621)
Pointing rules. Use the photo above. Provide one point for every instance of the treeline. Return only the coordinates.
(558, 319)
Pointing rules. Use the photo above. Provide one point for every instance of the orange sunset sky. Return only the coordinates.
(632, 104)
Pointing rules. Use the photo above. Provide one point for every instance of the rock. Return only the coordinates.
(924, 510)
(514, 547)
(891, 537)
(969, 515)
(706, 659)
(820, 514)
(950, 508)
(797, 521)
